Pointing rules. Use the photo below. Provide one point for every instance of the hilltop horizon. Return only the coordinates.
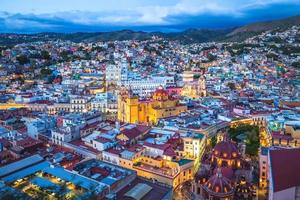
(191, 35)
(147, 16)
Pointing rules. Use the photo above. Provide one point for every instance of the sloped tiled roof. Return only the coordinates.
(285, 168)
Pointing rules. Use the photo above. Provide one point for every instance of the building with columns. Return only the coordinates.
(131, 109)
(195, 89)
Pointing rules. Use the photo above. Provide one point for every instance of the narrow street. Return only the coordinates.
(183, 192)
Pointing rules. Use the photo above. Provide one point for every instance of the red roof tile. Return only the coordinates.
(114, 151)
(169, 152)
(285, 168)
(98, 170)
(27, 142)
(136, 131)
(157, 146)
(103, 140)
(80, 143)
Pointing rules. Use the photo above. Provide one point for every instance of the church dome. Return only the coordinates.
(219, 185)
(226, 150)
(201, 177)
(226, 171)
(160, 92)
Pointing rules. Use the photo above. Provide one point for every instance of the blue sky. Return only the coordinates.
(29, 16)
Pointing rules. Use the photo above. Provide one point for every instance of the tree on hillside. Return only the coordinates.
(213, 141)
(45, 55)
(296, 64)
(46, 71)
(22, 59)
(231, 85)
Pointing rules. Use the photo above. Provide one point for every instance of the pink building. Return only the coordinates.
(174, 90)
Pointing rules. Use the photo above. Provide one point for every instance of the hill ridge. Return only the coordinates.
(192, 35)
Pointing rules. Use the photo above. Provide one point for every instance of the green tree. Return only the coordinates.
(211, 57)
(296, 64)
(231, 85)
(10, 195)
(46, 71)
(22, 59)
(45, 55)
(251, 135)
(213, 141)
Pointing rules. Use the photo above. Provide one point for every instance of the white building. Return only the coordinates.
(64, 134)
(101, 143)
(194, 145)
(115, 73)
(144, 87)
(105, 102)
(154, 150)
(80, 103)
(111, 156)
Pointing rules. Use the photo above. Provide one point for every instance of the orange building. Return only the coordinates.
(161, 105)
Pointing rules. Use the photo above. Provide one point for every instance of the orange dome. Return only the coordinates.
(219, 185)
(161, 92)
(226, 150)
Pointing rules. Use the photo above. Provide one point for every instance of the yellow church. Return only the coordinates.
(195, 89)
(133, 110)
(11, 104)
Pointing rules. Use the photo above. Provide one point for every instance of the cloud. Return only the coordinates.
(148, 15)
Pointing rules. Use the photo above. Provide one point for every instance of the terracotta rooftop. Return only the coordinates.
(89, 126)
(42, 102)
(114, 151)
(27, 142)
(285, 168)
(80, 143)
(169, 152)
(135, 131)
(103, 140)
(157, 146)
(135, 147)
